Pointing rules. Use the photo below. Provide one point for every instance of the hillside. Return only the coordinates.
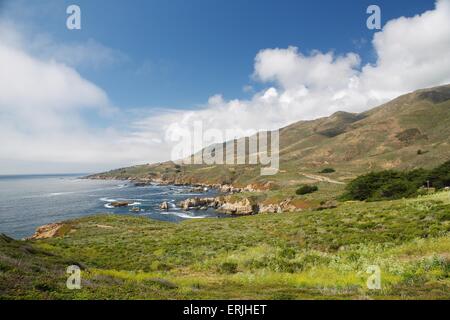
(386, 137)
(302, 255)
(318, 248)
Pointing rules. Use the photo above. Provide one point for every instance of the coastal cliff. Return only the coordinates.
(233, 206)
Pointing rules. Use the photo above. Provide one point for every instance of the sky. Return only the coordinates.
(136, 78)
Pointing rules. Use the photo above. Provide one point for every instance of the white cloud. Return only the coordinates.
(291, 69)
(412, 53)
(43, 99)
(42, 108)
(26, 83)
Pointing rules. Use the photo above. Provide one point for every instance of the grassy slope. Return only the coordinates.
(351, 143)
(308, 254)
(278, 256)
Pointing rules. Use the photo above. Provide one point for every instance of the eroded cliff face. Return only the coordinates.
(222, 204)
(244, 206)
(200, 203)
(47, 231)
(241, 207)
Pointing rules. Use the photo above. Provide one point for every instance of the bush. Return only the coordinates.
(440, 177)
(396, 189)
(305, 189)
(327, 170)
(228, 267)
(384, 185)
(391, 184)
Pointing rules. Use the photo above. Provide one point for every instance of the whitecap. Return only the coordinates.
(107, 200)
(59, 193)
(184, 215)
(156, 193)
(134, 204)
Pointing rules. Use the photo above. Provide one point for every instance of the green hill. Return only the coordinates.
(320, 250)
(303, 255)
(408, 132)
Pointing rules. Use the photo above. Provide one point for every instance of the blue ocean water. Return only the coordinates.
(29, 201)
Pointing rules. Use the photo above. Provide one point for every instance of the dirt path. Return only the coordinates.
(320, 178)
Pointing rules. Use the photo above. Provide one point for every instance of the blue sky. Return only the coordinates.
(140, 73)
(177, 53)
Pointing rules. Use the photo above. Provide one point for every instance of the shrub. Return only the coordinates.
(384, 185)
(440, 177)
(306, 188)
(44, 286)
(4, 267)
(286, 252)
(228, 267)
(420, 152)
(327, 170)
(391, 184)
(396, 189)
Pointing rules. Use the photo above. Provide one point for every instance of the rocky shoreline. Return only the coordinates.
(245, 206)
(223, 203)
(224, 188)
(227, 202)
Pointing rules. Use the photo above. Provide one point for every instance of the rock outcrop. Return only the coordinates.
(284, 206)
(118, 204)
(226, 188)
(164, 206)
(242, 207)
(197, 203)
(47, 231)
(270, 208)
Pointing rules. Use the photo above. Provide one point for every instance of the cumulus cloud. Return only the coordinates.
(412, 53)
(43, 104)
(26, 82)
(42, 100)
(291, 69)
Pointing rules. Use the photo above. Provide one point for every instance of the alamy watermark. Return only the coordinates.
(73, 21)
(205, 146)
(74, 280)
(374, 20)
(374, 280)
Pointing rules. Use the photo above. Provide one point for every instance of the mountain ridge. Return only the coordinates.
(407, 132)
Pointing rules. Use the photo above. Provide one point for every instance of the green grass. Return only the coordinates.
(310, 254)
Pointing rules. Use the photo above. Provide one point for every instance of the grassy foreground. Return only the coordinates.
(304, 255)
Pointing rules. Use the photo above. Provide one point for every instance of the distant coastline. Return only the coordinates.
(41, 175)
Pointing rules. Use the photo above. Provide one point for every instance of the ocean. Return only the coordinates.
(30, 201)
